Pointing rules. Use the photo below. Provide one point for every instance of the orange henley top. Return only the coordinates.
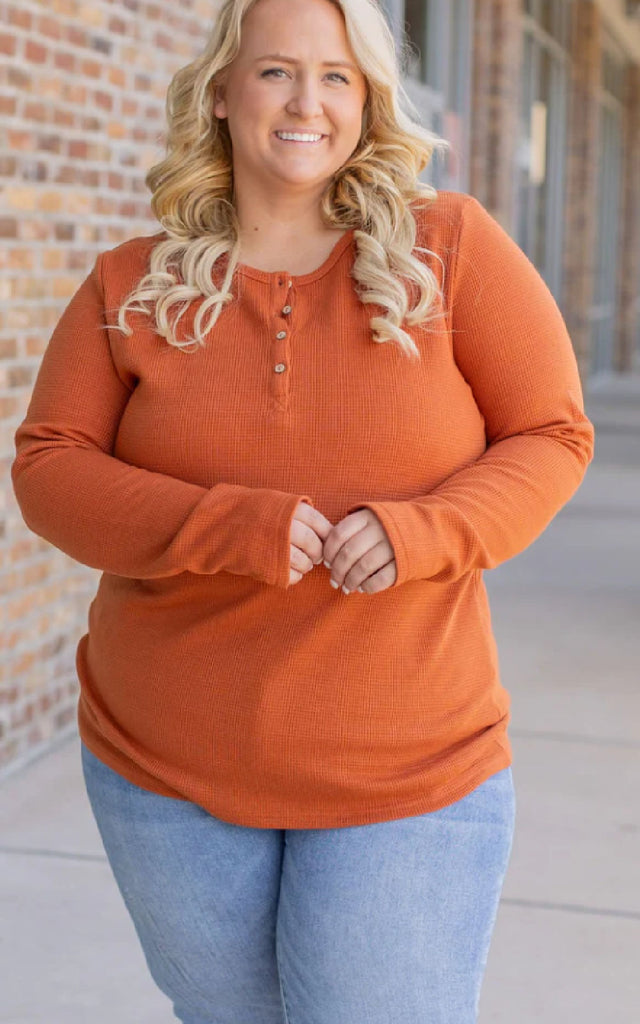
(204, 675)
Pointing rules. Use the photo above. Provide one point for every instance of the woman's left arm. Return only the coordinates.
(512, 346)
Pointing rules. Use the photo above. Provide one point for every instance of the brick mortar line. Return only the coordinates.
(48, 689)
(165, 66)
(135, 173)
(127, 90)
(193, 28)
(91, 218)
(124, 145)
(121, 12)
(20, 121)
(54, 632)
(30, 7)
(92, 250)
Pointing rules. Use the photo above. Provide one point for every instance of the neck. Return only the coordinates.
(268, 216)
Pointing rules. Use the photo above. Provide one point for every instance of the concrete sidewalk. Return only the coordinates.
(566, 616)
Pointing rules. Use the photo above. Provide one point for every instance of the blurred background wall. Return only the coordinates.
(540, 99)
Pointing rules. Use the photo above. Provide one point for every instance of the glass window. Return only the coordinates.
(439, 33)
(605, 308)
(541, 155)
(603, 318)
(613, 76)
(416, 15)
(546, 15)
(552, 16)
(459, 70)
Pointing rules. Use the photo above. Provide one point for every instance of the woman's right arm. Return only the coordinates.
(121, 518)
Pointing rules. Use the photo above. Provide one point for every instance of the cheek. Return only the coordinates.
(352, 120)
(248, 106)
(257, 99)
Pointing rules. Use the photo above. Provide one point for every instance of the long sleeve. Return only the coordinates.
(512, 347)
(117, 517)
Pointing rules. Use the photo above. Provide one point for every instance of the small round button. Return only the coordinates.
(281, 334)
(287, 309)
(279, 367)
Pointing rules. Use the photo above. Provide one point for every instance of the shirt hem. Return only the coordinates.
(459, 787)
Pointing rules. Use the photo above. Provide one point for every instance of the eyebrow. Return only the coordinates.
(291, 60)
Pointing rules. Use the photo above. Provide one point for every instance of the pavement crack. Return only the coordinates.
(600, 512)
(571, 737)
(572, 908)
(30, 851)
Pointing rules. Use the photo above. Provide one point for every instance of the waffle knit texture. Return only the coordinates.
(203, 674)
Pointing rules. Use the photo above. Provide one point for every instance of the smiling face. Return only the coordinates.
(295, 73)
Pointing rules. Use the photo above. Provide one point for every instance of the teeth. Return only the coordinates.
(298, 136)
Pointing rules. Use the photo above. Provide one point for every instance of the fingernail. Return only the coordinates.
(345, 590)
(328, 564)
(333, 583)
(360, 590)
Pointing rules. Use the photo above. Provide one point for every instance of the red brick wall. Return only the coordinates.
(82, 95)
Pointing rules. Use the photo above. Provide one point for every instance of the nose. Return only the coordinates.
(305, 99)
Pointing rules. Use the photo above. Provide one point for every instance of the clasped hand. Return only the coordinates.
(356, 550)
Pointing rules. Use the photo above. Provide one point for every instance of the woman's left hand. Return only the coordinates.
(359, 554)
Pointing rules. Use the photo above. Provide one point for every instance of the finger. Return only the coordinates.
(369, 549)
(307, 540)
(314, 519)
(299, 560)
(381, 580)
(294, 576)
(343, 530)
(371, 562)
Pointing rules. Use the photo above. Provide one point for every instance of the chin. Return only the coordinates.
(305, 176)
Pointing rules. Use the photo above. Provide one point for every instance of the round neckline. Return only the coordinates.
(268, 276)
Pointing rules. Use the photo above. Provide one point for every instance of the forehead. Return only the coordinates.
(301, 29)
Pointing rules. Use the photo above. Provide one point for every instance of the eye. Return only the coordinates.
(278, 71)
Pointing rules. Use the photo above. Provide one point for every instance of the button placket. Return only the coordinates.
(280, 349)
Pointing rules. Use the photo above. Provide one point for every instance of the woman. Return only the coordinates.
(336, 397)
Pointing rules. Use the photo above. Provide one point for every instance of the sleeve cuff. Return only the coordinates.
(398, 521)
(262, 549)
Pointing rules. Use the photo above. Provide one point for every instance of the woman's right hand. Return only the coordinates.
(309, 530)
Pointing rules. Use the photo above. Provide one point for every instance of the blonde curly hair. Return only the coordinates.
(192, 190)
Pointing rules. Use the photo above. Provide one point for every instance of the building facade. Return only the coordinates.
(540, 100)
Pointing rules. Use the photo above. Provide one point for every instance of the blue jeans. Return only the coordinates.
(387, 923)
